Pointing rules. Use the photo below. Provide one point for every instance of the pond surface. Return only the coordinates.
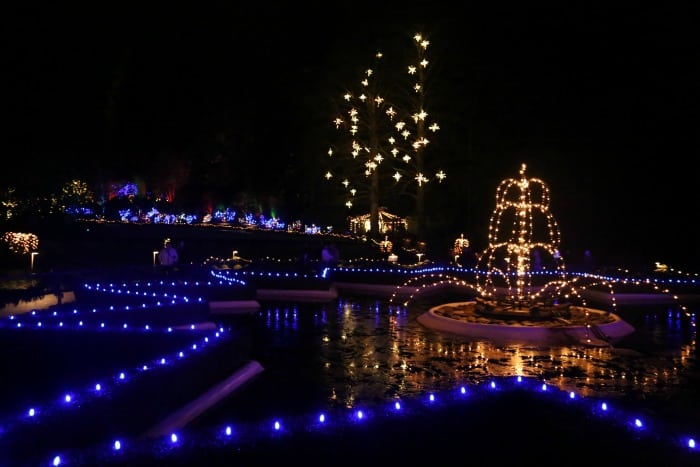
(359, 351)
(355, 352)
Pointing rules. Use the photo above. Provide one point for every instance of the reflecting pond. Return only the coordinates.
(357, 351)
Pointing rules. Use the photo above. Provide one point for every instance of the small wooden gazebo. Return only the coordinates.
(388, 223)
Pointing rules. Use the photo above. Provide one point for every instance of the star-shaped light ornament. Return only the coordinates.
(441, 176)
(434, 127)
(397, 176)
(328, 175)
(420, 178)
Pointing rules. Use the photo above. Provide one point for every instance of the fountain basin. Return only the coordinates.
(586, 326)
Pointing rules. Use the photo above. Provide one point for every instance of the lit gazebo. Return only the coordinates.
(388, 223)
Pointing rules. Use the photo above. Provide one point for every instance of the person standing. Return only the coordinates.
(168, 257)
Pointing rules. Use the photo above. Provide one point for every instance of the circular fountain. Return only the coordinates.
(521, 289)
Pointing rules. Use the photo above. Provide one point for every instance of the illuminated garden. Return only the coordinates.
(205, 365)
(345, 287)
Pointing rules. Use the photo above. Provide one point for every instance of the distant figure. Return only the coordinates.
(330, 255)
(168, 257)
(536, 260)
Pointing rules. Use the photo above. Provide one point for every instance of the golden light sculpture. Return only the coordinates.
(460, 244)
(523, 244)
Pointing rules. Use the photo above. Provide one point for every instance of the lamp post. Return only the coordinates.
(31, 261)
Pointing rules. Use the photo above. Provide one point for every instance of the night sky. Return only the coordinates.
(596, 100)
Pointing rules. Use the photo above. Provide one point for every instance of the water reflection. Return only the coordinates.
(358, 351)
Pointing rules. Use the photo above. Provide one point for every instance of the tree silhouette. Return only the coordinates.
(384, 134)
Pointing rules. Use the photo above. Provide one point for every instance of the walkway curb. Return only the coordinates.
(195, 408)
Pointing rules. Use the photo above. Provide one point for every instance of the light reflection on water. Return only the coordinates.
(359, 351)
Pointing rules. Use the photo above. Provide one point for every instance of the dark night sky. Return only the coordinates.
(597, 100)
